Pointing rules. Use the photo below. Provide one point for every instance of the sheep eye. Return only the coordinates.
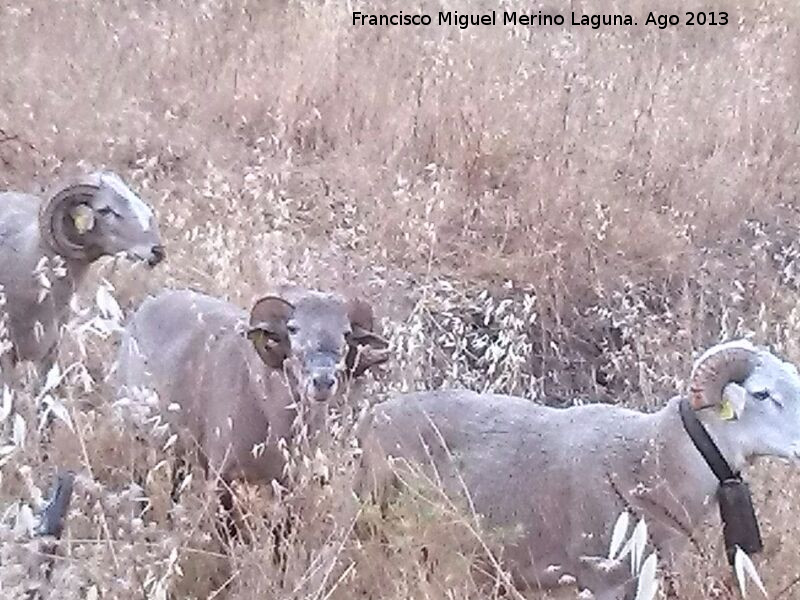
(291, 328)
(761, 395)
(106, 211)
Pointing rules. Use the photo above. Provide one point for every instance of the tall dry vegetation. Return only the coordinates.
(561, 213)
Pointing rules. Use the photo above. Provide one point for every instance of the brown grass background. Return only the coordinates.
(556, 212)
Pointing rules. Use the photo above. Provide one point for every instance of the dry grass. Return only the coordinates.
(560, 213)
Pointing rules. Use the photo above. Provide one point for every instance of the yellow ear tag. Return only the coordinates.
(83, 218)
(726, 411)
(260, 339)
(256, 336)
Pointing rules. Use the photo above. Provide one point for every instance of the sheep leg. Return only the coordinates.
(280, 541)
(180, 470)
(48, 534)
(226, 525)
(43, 369)
(45, 417)
(8, 370)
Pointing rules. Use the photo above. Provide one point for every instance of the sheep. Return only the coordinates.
(236, 383)
(559, 478)
(47, 247)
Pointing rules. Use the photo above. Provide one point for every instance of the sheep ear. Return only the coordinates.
(734, 398)
(366, 348)
(271, 350)
(267, 330)
(82, 217)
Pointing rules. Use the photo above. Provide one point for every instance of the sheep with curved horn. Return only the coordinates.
(236, 383)
(554, 480)
(46, 249)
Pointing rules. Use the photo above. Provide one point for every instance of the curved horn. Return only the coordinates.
(366, 348)
(267, 329)
(270, 309)
(717, 367)
(52, 220)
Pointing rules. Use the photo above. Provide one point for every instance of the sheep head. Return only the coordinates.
(319, 339)
(99, 215)
(756, 390)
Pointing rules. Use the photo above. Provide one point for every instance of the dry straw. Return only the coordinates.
(559, 213)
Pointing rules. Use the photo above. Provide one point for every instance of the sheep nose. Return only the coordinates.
(324, 382)
(157, 254)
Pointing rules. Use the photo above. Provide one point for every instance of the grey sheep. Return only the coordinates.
(53, 242)
(235, 382)
(560, 477)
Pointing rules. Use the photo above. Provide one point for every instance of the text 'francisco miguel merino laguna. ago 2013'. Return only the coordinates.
(595, 21)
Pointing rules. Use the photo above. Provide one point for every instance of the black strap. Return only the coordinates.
(704, 444)
(739, 523)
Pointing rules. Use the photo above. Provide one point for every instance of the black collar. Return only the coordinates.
(704, 444)
(739, 523)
